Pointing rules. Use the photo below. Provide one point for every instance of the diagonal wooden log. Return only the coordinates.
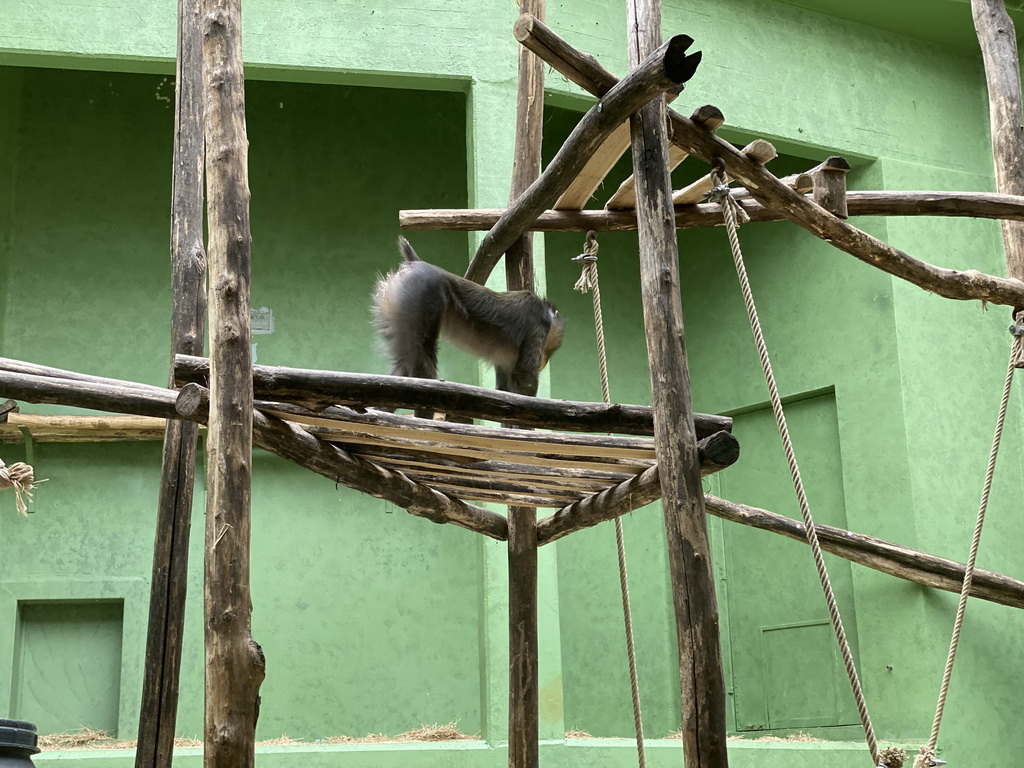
(984, 205)
(878, 554)
(169, 581)
(998, 43)
(663, 69)
(715, 453)
(770, 192)
(112, 395)
(316, 389)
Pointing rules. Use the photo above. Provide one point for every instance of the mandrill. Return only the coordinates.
(517, 331)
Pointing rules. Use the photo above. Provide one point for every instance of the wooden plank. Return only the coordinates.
(235, 665)
(625, 196)
(493, 439)
(663, 69)
(702, 685)
(998, 42)
(758, 150)
(423, 447)
(582, 188)
(46, 428)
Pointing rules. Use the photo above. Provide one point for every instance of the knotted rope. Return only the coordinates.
(20, 477)
(731, 211)
(589, 282)
(927, 756)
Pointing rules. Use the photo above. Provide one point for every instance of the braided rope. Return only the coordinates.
(730, 211)
(926, 756)
(20, 477)
(589, 282)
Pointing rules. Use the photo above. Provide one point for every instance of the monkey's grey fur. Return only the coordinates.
(517, 331)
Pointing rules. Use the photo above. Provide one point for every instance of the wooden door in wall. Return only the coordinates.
(786, 670)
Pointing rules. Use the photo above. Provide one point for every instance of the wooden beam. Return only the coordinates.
(830, 185)
(46, 428)
(985, 205)
(766, 189)
(625, 196)
(702, 684)
(998, 43)
(758, 150)
(663, 69)
(878, 554)
(316, 390)
(169, 580)
(83, 391)
(869, 551)
(235, 663)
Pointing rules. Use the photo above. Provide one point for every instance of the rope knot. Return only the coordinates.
(588, 278)
(20, 477)
(891, 757)
(926, 759)
(721, 194)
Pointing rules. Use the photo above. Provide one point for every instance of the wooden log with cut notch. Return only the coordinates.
(766, 189)
(662, 70)
(702, 684)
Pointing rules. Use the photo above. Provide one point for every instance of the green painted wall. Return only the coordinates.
(373, 622)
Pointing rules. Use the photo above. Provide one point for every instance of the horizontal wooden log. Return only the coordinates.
(715, 453)
(766, 189)
(45, 428)
(316, 389)
(878, 554)
(979, 205)
(664, 69)
(288, 441)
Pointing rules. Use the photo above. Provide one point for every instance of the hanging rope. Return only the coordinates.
(589, 282)
(926, 758)
(20, 477)
(731, 211)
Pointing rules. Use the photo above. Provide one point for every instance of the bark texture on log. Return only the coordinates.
(715, 453)
(998, 43)
(982, 205)
(318, 389)
(702, 682)
(770, 192)
(662, 70)
(168, 584)
(235, 664)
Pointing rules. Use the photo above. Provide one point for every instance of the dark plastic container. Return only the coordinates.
(17, 743)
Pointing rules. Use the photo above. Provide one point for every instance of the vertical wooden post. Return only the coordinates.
(1002, 73)
(168, 587)
(524, 649)
(693, 590)
(234, 661)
